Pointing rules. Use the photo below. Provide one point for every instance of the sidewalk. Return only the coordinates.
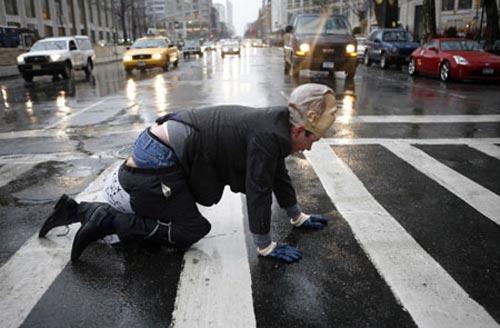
(8, 67)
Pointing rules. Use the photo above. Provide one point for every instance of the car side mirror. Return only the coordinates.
(289, 29)
(127, 48)
(434, 49)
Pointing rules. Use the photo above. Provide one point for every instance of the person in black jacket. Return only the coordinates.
(188, 157)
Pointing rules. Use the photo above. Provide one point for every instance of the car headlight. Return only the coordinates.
(20, 59)
(127, 58)
(460, 60)
(350, 48)
(156, 56)
(55, 57)
(305, 47)
(235, 49)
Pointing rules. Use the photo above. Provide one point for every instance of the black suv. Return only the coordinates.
(389, 46)
(320, 42)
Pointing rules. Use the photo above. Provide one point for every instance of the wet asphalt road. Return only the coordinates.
(59, 136)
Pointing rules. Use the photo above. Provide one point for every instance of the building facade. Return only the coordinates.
(155, 11)
(61, 17)
(187, 19)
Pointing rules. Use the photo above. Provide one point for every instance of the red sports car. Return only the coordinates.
(454, 59)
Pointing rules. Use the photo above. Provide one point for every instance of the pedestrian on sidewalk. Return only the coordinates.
(188, 157)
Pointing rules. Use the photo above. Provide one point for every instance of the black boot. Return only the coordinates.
(64, 213)
(99, 224)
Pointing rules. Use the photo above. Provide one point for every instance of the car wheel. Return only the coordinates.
(294, 70)
(287, 67)
(444, 71)
(383, 61)
(367, 59)
(165, 68)
(88, 68)
(222, 55)
(176, 63)
(350, 73)
(28, 77)
(412, 67)
(66, 73)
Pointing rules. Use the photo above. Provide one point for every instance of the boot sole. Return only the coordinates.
(44, 230)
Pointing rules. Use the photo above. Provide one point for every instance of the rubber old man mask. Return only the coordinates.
(313, 106)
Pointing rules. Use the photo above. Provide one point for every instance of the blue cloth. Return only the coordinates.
(151, 152)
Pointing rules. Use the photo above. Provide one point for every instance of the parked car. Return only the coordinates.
(231, 47)
(361, 47)
(209, 46)
(389, 46)
(58, 55)
(454, 59)
(320, 42)
(9, 36)
(192, 47)
(150, 52)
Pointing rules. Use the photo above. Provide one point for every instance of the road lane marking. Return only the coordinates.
(482, 199)
(26, 276)
(68, 117)
(423, 287)
(489, 149)
(437, 141)
(417, 119)
(215, 284)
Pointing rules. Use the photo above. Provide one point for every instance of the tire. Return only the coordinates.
(350, 73)
(88, 69)
(167, 64)
(383, 61)
(27, 77)
(287, 67)
(294, 70)
(444, 71)
(222, 55)
(412, 67)
(367, 61)
(67, 72)
(176, 63)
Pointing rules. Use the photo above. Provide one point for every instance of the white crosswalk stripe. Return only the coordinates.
(422, 286)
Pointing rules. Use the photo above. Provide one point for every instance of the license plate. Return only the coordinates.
(488, 70)
(141, 64)
(36, 67)
(328, 65)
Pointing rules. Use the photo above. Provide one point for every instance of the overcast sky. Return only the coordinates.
(244, 11)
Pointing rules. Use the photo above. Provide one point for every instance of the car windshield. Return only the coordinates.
(397, 36)
(149, 43)
(49, 45)
(463, 45)
(322, 25)
(192, 43)
(230, 44)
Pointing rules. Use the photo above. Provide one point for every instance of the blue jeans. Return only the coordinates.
(150, 152)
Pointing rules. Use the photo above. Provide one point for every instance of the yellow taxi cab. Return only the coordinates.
(149, 52)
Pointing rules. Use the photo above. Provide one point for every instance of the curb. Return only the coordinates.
(11, 70)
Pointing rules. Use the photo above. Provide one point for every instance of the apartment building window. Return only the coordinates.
(306, 3)
(61, 31)
(106, 19)
(91, 13)
(47, 30)
(45, 10)
(29, 5)
(99, 19)
(11, 7)
(290, 3)
(59, 8)
(448, 5)
(464, 4)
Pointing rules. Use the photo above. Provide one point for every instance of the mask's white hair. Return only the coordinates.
(310, 96)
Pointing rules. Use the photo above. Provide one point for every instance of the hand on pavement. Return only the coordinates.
(312, 221)
(282, 252)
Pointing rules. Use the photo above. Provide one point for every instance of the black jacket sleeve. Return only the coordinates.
(283, 188)
(263, 154)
